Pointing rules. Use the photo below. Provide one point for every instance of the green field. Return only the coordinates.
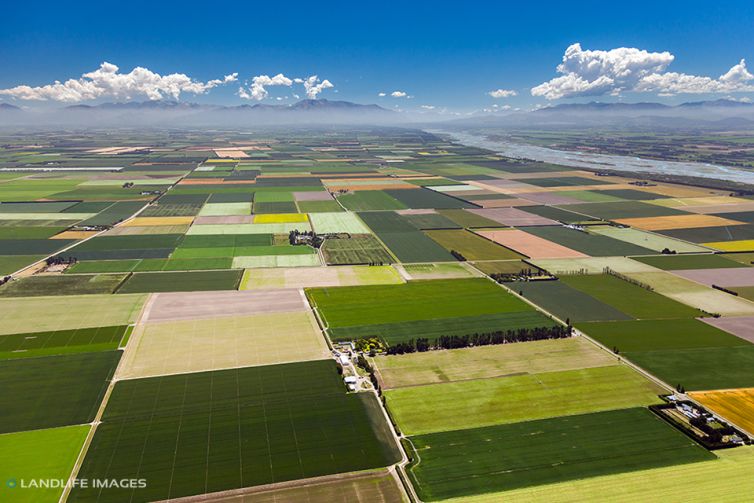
(497, 458)
(483, 402)
(82, 340)
(423, 300)
(34, 286)
(680, 262)
(567, 303)
(369, 200)
(622, 209)
(36, 455)
(470, 245)
(53, 390)
(182, 281)
(628, 298)
(651, 335)
(242, 427)
(358, 249)
(42, 314)
(467, 219)
(590, 244)
(435, 367)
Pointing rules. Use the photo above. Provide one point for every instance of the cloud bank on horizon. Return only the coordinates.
(107, 81)
(628, 69)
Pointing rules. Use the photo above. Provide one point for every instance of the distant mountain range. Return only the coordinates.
(716, 115)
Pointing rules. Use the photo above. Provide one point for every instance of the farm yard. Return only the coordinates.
(371, 314)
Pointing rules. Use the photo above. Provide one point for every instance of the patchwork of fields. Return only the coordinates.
(363, 315)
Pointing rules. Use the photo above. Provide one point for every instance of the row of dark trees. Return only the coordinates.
(421, 344)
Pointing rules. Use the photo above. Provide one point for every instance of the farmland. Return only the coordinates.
(286, 315)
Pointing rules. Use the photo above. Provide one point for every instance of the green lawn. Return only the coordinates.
(82, 340)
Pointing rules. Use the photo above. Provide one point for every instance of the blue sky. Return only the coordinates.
(442, 55)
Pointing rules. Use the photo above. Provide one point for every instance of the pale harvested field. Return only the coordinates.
(684, 203)
(721, 208)
(695, 295)
(592, 265)
(147, 229)
(504, 203)
(679, 191)
(513, 217)
(74, 235)
(489, 361)
(360, 487)
(41, 314)
(530, 245)
(445, 270)
(733, 276)
(228, 219)
(742, 327)
(646, 239)
(735, 405)
(145, 221)
(243, 228)
(313, 195)
(677, 222)
(725, 480)
(176, 306)
(298, 277)
(176, 347)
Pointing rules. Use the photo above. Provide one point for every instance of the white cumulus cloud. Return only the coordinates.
(259, 84)
(107, 81)
(628, 69)
(313, 86)
(502, 93)
(381, 95)
(398, 94)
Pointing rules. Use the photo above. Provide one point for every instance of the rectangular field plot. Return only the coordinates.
(679, 262)
(425, 300)
(191, 281)
(434, 367)
(483, 402)
(728, 477)
(646, 239)
(446, 270)
(242, 427)
(735, 405)
(359, 487)
(470, 245)
(629, 298)
(20, 455)
(35, 286)
(53, 390)
(565, 302)
(498, 458)
(82, 340)
(220, 229)
(370, 200)
(41, 314)
(175, 347)
(203, 305)
(358, 249)
(589, 244)
(622, 209)
(700, 369)
(297, 260)
(652, 335)
(326, 223)
(259, 279)
(529, 245)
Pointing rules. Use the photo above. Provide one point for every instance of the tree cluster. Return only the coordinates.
(421, 344)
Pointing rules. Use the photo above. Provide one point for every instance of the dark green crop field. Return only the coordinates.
(212, 431)
(468, 462)
(190, 281)
(629, 298)
(53, 390)
(34, 286)
(590, 244)
(81, 340)
(565, 302)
